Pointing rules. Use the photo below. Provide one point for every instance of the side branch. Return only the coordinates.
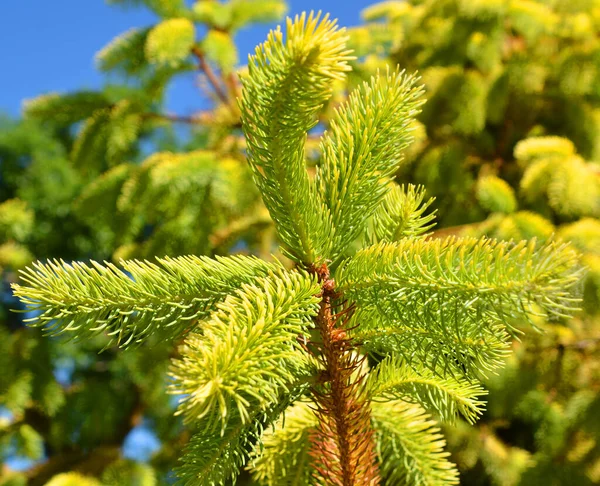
(210, 75)
(200, 119)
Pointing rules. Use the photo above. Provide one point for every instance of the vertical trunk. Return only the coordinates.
(343, 446)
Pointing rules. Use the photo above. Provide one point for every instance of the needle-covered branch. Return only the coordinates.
(284, 455)
(363, 149)
(134, 301)
(446, 397)
(287, 84)
(248, 351)
(401, 214)
(451, 342)
(410, 446)
(215, 457)
(502, 279)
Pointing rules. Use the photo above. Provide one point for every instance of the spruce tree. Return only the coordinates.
(330, 369)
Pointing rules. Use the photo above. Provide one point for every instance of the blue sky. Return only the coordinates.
(50, 45)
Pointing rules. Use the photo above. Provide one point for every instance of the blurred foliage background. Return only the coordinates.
(508, 143)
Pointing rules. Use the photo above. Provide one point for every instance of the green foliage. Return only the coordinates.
(213, 457)
(170, 41)
(495, 73)
(553, 173)
(194, 201)
(13, 479)
(220, 49)
(283, 457)
(125, 52)
(410, 446)
(448, 397)
(535, 148)
(496, 195)
(286, 86)
(29, 443)
(559, 414)
(72, 479)
(14, 256)
(128, 473)
(358, 158)
(164, 8)
(92, 205)
(107, 136)
(559, 184)
(236, 14)
(584, 234)
(401, 214)
(518, 226)
(444, 317)
(65, 109)
(266, 322)
(568, 196)
(103, 298)
(452, 271)
(401, 326)
(16, 220)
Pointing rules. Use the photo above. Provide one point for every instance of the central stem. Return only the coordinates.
(344, 444)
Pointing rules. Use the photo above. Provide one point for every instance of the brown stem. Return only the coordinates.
(89, 463)
(192, 120)
(343, 445)
(210, 75)
(232, 85)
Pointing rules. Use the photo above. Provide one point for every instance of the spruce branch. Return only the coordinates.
(248, 351)
(410, 446)
(197, 119)
(451, 342)
(213, 457)
(125, 52)
(287, 84)
(401, 214)
(394, 379)
(131, 303)
(363, 149)
(503, 279)
(283, 456)
(65, 109)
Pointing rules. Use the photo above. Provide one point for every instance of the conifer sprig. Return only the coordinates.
(362, 150)
(410, 446)
(130, 303)
(401, 215)
(501, 278)
(215, 456)
(395, 379)
(248, 351)
(452, 341)
(288, 444)
(287, 84)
